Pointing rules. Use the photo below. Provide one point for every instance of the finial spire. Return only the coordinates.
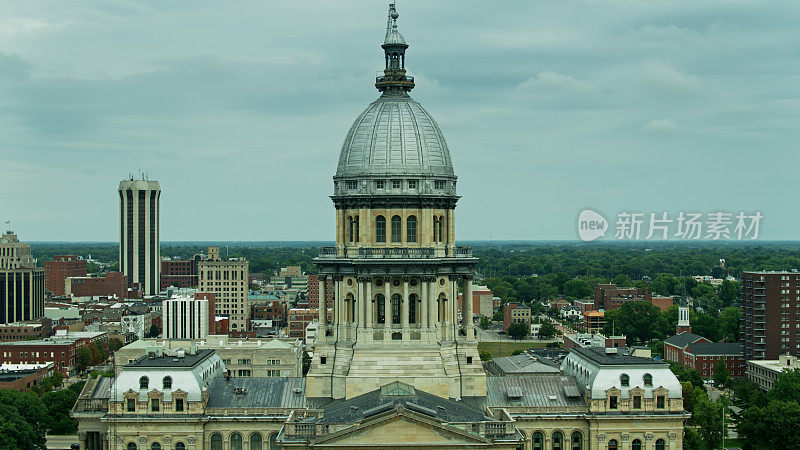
(394, 47)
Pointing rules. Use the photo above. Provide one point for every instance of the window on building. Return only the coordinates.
(216, 441)
(660, 444)
(380, 229)
(352, 185)
(144, 382)
(236, 441)
(381, 309)
(154, 404)
(178, 405)
(441, 228)
(323, 360)
(180, 446)
(411, 229)
(660, 402)
(167, 382)
(469, 359)
(637, 402)
(537, 440)
(396, 184)
(438, 185)
(412, 184)
(558, 440)
(155, 446)
(625, 380)
(577, 440)
(648, 380)
(636, 444)
(380, 184)
(612, 402)
(396, 308)
(255, 441)
(131, 404)
(612, 444)
(396, 228)
(131, 446)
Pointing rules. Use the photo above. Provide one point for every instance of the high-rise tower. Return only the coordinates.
(139, 248)
(396, 268)
(21, 282)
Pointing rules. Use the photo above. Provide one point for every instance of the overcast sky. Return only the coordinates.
(239, 110)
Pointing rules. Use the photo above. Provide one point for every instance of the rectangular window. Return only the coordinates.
(612, 402)
(380, 184)
(637, 402)
(660, 402)
(154, 404)
(412, 184)
(438, 185)
(322, 360)
(131, 404)
(352, 185)
(178, 405)
(396, 184)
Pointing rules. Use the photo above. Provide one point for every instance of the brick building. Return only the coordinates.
(515, 313)
(299, 318)
(770, 323)
(594, 321)
(59, 269)
(181, 273)
(60, 352)
(610, 297)
(112, 284)
(696, 352)
(19, 331)
(272, 310)
(22, 377)
(313, 291)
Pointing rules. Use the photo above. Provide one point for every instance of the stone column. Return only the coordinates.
(82, 440)
(467, 308)
(433, 313)
(387, 309)
(323, 302)
(361, 301)
(368, 304)
(405, 308)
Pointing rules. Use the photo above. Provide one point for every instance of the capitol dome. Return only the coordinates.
(394, 140)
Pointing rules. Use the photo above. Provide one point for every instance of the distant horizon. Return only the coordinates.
(515, 241)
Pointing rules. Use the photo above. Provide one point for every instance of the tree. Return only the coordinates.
(635, 320)
(58, 404)
(23, 420)
(547, 330)
(707, 415)
(665, 284)
(729, 319)
(115, 344)
(730, 292)
(692, 440)
(306, 362)
(786, 387)
(82, 358)
(518, 330)
(774, 426)
(622, 281)
(154, 331)
(721, 374)
(485, 355)
(577, 289)
(485, 323)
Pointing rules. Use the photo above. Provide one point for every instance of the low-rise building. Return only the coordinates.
(522, 364)
(594, 321)
(60, 268)
(696, 352)
(765, 372)
(18, 331)
(515, 313)
(22, 377)
(112, 284)
(572, 340)
(299, 318)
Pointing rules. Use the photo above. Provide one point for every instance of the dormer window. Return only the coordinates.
(612, 402)
(625, 380)
(648, 380)
(167, 382)
(144, 382)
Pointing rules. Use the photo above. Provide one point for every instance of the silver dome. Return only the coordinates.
(395, 136)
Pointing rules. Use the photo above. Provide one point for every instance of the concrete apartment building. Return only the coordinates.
(59, 269)
(139, 245)
(228, 281)
(187, 318)
(244, 357)
(770, 323)
(21, 282)
(765, 372)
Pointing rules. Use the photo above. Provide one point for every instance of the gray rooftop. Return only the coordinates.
(533, 391)
(267, 392)
(188, 360)
(621, 357)
(399, 395)
(716, 348)
(522, 364)
(682, 339)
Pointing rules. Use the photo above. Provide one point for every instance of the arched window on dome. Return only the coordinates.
(411, 229)
(358, 230)
(396, 308)
(380, 300)
(380, 229)
(435, 229)
(350, 226)
(412, 308)
(397, 225)
(441, 228)
(558, 440)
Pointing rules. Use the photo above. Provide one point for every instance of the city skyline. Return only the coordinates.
(640, 107)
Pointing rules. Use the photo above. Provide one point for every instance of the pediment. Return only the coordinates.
(402, 427)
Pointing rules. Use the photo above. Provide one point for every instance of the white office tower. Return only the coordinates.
(185, 318)
(139, 248)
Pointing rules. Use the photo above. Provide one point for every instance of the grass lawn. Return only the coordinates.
(507, 348)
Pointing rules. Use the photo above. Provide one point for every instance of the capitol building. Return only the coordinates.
(397, 363)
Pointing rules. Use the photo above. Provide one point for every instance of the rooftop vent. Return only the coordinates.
(296, 390)
(611, 351)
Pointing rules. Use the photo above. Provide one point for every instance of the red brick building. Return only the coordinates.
(299, 319)
(23, 377)
(594, 321)
(59, 269)
(19, 331)
(515, 313)
(610, 297)
(179, 273)
(112, 284)
(61, 352)
(696, 352)
(273, 310)
(770, 314)
(313, 291)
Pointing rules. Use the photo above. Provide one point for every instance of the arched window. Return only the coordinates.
(155, 446)
(648, 380)
(180, 446)
(435, 229)
(216, 441)
(558, 440)
(396, 308)
(350, 227)
(441, 228)
(167, 382)
(273, 442)
(412, 308)
(537, 441)
(577, 440)
(358, 230)
(255, 441)
(380, 229)
(411, 229)
(625, 380)
(236, 441)
(144, 382)
(612, 444)
(131, 446)
(636, 444)
(660, 445)
(381, 309)
(397, 224)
